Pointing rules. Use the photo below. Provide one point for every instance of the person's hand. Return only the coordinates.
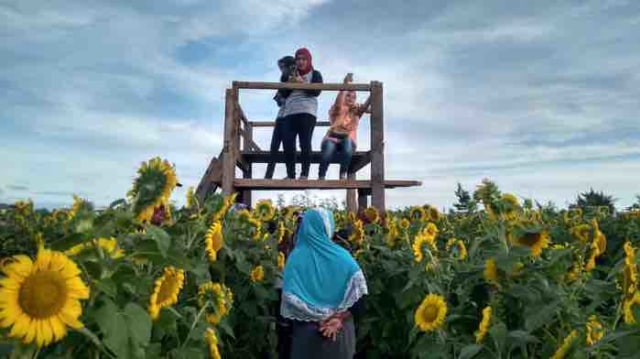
(331, 327)
(298, 79)
(348, 78)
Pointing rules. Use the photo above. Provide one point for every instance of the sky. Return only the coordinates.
(542, 97)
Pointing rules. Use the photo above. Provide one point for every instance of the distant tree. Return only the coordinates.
(635, 205)
(594, 199)
(465, 203)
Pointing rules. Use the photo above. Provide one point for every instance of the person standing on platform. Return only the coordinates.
(300, 115)
(287, 66)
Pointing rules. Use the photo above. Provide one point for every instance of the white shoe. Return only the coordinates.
(303, 178)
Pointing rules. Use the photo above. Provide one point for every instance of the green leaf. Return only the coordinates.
(162, 239)
(127, 332)
(470, 351)
(537, 317)
(107, 286)
(520, 336)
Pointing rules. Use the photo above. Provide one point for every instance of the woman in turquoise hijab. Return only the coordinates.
(323, 285)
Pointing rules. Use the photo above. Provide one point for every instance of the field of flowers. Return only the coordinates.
(143, 278)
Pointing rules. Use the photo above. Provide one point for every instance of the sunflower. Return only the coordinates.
(392, 233)
(264, 210)
(166, 290)
(630, 271)
(372, 214)
(192, 201)
(491, 271)
(226, 204)
(40, 299)
(483, 328)
(417, 214)
(432, 214)
(627, 308)
(357, 236)
(431, 313)
(212, 341)
(257, 274)
(595, 330)
(281, 261)
(536, 241)
(108, 245)
(418, 243)
(561, 352)
(581, 232)
(430, 230)
(404, 224)
(220, 298)
(152, 189)
(214, 241)
(281, 232)
(78, 204)
(23, 208)
(462, 250)
(576, 270)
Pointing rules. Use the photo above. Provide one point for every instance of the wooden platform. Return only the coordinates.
(263, 184)
(358, 160)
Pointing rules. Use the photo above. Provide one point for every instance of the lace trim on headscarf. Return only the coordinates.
(292, 307)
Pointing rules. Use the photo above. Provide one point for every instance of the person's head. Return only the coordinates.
(303, 60)
(286, 63)
(317, 225)
(350, 98)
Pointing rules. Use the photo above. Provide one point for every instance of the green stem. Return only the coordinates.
(193, 325)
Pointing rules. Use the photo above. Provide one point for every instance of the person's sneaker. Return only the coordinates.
(321, 178)
(287, 178)
(343, 176)
(303, 178)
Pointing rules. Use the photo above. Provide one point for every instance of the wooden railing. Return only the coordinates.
(238, 127)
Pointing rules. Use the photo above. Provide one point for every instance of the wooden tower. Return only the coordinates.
(239, 150)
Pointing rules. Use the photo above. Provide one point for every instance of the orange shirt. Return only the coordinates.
(345, 120)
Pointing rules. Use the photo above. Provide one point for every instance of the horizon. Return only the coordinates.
(540, 98)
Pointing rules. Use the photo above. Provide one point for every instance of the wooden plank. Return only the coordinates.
(377, 147)
(265, 184)
(230, 134)
(247, 140)
(358, 163)
(211, 178)
(243, 118)
(273, 123)
(351, 195)
(299, 86)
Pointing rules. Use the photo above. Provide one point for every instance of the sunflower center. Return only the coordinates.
(43, 294)
(430, 313)
(529, 239)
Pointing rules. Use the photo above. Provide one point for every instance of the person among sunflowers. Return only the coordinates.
(323, 288)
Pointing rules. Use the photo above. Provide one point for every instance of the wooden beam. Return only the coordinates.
(211, 179)
(351, 195)
(359, 162)
(273, 123)
(377, 147)
(299, 86)
(243, 118)
(265, 184)
(230, 151)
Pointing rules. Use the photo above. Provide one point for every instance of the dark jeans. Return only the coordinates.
(298, 125)
(276, 139)
(343, 148)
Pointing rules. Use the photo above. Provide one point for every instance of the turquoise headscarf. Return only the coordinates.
(320, 277)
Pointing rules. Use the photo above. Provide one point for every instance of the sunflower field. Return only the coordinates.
(145, 279)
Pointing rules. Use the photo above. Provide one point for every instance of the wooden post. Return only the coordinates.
(351, 195)
(377, 147)
(246, 141)
(230, 149)
(362, 200)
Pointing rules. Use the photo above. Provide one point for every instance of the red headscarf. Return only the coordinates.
(305, 52)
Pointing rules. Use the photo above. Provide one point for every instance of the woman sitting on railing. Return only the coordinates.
(300, 115)
(344, 116)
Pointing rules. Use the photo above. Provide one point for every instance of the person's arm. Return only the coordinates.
(339, 103)
(316, 78)
(364, 108)
(284, 93)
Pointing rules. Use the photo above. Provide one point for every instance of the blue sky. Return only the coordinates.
(542, 97)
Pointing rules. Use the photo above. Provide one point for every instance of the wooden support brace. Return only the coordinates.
(230, 149)
(362, 200)
(351, 195)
